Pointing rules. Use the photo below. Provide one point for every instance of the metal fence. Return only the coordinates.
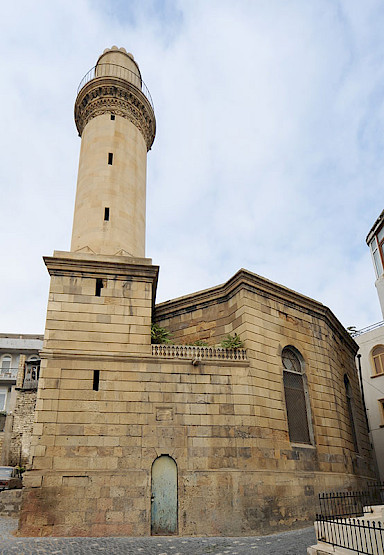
(362, 536)
(335, 525)
(351, 503)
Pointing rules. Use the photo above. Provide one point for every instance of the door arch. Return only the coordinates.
(164, 496)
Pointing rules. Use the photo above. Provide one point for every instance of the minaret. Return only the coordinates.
(116, 122)
(375, 241)
(98, 329)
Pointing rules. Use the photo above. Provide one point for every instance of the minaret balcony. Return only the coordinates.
(117, 71)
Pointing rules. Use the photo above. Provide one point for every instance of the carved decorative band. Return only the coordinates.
(202, 353)
(117, 97)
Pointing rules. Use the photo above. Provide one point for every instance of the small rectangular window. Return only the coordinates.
(99, 287)
(112, 117)
(110, 158)
(106, 214)
(96, 380)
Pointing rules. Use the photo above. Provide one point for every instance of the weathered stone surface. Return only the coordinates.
(10, 502)
(223, 422)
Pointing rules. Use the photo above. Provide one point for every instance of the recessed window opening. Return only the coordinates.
(106, 214)
(112, 117)
(296, 400)
(348, 392)
(96, 380)
(99, 287)
(110, 158)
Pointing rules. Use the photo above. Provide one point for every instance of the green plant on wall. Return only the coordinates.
(351, 330)
(199, 343)
(232, 342)
(159, 335)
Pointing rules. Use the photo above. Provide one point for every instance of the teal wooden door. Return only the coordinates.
(164, 497)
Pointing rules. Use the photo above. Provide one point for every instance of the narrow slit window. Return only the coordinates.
(99, 287)
(106, 214)
(96, 380)
(110, 158)
(112, 117)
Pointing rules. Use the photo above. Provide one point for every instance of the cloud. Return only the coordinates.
(268, 152)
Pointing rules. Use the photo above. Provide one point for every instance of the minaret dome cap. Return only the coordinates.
(119, 57)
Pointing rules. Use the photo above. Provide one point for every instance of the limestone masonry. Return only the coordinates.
(132, 438)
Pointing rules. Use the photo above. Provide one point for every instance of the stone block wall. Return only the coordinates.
(21, 434)
(223, 422)
(10, 502)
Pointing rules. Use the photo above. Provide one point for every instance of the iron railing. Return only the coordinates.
(341, 504)
(9, 373)
(114, 70)
(356, 333)
(361, 536)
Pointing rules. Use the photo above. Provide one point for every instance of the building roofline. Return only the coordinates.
(375, 227)
(21, 336)
(265, 287)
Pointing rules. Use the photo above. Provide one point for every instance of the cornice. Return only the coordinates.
(117, 96)
(245, 279)
(93, 267)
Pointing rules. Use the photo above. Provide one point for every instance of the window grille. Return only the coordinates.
(295, 397)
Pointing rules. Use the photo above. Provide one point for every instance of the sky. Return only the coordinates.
(268, 154)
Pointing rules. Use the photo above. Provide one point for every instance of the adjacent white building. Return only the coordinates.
(371, 343)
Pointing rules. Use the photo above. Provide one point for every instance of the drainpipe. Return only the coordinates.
(362, 389)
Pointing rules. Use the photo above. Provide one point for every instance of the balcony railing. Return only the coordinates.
(8, 373)
(194, 352)
(114, 70)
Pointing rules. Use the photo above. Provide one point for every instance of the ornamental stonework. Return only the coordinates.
(119, 98)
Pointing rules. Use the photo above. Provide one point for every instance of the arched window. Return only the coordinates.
(348, 393)
(378, 359)
(296, 396)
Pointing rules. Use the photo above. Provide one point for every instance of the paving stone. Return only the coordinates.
(287, 543)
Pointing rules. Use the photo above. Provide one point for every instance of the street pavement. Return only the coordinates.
(287, 543)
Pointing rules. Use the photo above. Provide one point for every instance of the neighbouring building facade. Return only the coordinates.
(371, 349)
(132, 438)
(19, 358)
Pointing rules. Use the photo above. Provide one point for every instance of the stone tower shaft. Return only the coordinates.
(115, 118)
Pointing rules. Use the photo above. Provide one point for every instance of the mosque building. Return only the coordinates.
(136, 438)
